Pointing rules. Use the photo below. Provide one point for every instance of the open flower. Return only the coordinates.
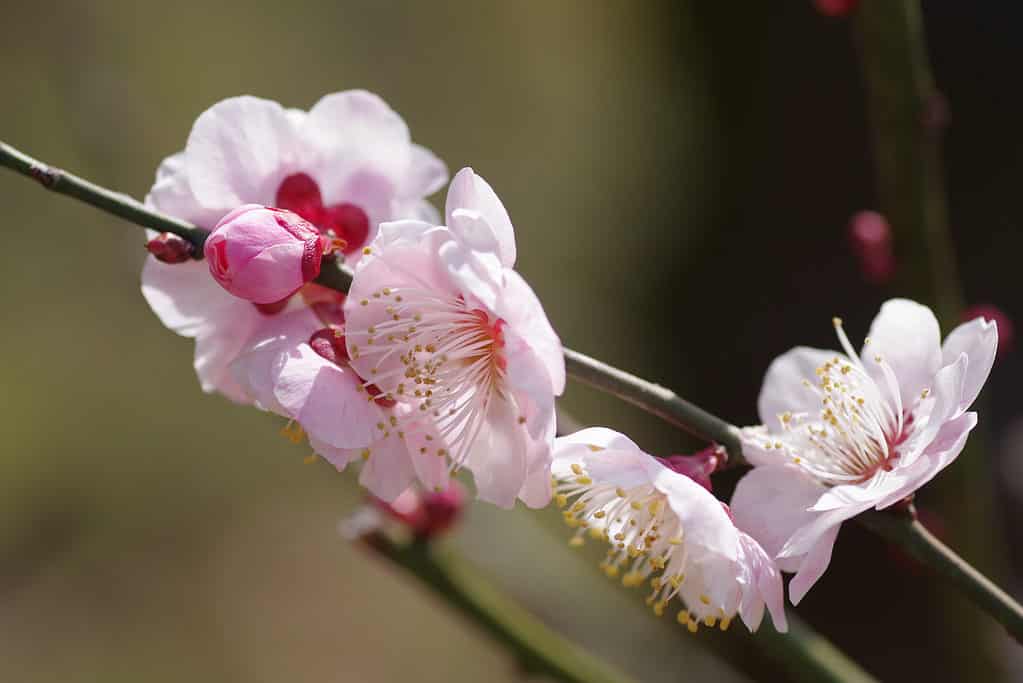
(659, 521)
(439, 321)
(299, 369)
(843, 432)
(344, 166)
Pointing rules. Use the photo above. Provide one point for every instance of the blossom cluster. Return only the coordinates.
(440, 357)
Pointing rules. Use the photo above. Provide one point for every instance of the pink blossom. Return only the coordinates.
(659, 521)
(297, 368)
(440, 322)
(264, 254)
(344, 166)
(844, 433)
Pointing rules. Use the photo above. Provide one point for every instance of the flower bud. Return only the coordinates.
(427, 513)
(835, 8)
(871, 238)
(698, 466)
(170, 248)
(264, 254)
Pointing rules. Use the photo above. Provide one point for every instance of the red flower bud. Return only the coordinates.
(427, 513)
(698, 466)
(170, 248)
(871, 239)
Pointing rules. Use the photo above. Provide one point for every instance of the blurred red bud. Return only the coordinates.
(427, 513)
(170, 248)
(698, 466)
(871, 238)
(836, 8)
(1006, 330)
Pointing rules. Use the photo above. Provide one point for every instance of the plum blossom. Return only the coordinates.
(659, 521)
(846, 432)
(438, 320)
(345, 165)
(298, 368)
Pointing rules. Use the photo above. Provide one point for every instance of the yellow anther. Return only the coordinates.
(599, 514)
(585, 481)
(619, 536)
(632, 579)
(636, 505)
(387, 291)
(367, 251)
(677, 540)
(364, 302)
(576, 542)
(709, 621)
(677, 580)
(704, 599)
(365, 454)
(611, 571)
(594, 447)
(577, 469)
(655, 583)
(310, 459)
(693, 626)
(659, 607)
(683, 617)
(620, 492)
(598, 534)
(725, 623)
(579, 507)
(561, 500)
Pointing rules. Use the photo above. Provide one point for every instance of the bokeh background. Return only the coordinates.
(681, 176)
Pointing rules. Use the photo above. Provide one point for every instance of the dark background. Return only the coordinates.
(680, 175)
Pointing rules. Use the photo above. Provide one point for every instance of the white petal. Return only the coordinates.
(784, 389)
(471, 192)
(519, 306)
(906, 335)
(426, 174)
(239, 151)
(978, 339)
(813, 565)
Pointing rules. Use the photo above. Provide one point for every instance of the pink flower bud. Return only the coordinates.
(835, 8)
(698, 466)
(871, 238)
(427, 513)
(264, 254)
(170, 248)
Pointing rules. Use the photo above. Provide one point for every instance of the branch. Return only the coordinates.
(651, 397)
(537, 648)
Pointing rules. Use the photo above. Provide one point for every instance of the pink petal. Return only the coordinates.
(426, 174)
(471, 193)
(978, 339)
(239, 151)
(906, 335)
(813, 565)
(172, 194)
(497, 457)
(703, 517)
(323, 398)
(772, 502)
(388, 471)
(519, 306)
(783, 389)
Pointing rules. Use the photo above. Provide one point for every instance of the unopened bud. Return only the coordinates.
(170, 248)
(263, 254)
(836, 8)
(427, 513)
(698, 466)
(871, 239)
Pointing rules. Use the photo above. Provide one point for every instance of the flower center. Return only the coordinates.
(645, 535)
(300, 193)
(857, 429)
(437, 354)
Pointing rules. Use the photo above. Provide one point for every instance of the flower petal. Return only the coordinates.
(813, 565)
(906, 335)
(497, 457)
(519, 306)
(239, 151)
(784, 389)
(978, 339)
(388, 471)
(323, 398)
(470, 196)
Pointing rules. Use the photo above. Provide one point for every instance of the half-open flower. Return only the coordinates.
(845, 432)
(660, 522)
(344, 166)
(439, 321)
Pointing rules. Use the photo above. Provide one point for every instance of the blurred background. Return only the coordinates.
(681, 177)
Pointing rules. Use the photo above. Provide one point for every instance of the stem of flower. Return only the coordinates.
(656, 400)
(538, 649)
(651, 397)
(909, 534)
(62, 182)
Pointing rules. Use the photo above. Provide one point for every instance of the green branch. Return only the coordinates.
(538, 649)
